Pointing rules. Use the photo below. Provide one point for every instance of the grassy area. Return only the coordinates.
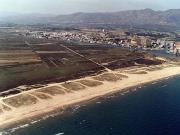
(5, 108)
(57, 63)
(41, 95)
(20, 100)
(139, 72)
(154, 68)
(54, 90)
(121, 76)
(73, 86)
(107, 77)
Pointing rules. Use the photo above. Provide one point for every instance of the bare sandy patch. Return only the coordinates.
(90, 83)
(73, 86)
(54, 90)
(107, 77)
(41, 95)
(20, 100)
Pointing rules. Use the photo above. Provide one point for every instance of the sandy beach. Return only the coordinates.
(130, 77)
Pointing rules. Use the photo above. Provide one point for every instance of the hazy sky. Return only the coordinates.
(70, 6)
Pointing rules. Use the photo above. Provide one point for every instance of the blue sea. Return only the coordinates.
(152, 109)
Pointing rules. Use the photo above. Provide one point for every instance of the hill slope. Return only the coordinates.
(130, 17)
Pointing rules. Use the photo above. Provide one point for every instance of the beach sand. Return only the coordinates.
(70, 96)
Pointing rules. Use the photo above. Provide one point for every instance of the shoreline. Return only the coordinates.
(90, 93)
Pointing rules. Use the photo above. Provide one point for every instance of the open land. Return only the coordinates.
(31, 61)
(40, 75)
(37, 101)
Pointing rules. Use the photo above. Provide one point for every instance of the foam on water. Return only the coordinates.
(115, 111)
(60, 133)
(35, 121)
(12, 130)
(163, 86)
(98, 102)
(17, 128)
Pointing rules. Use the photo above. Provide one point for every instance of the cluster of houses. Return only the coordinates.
(110, 38)
(174, 48)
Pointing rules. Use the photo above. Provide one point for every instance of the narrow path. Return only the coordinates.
(11, 107)
(1, 107)
(52, 62)
(45, 43)
(45, 94)
(34, 96)
(30, 46)
(107, 69)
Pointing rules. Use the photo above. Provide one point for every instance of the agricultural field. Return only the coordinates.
(14, 51)
(30, 61)
(114, 58)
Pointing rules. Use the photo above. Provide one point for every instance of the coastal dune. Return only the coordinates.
(43, 100)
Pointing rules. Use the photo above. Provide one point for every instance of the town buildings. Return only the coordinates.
(111, 37)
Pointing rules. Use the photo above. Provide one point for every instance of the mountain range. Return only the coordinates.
(130, 17)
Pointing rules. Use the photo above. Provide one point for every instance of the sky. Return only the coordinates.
(72, 6)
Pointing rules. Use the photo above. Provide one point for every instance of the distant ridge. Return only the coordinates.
(130, 17)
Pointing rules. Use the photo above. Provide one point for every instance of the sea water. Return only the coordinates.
(152, 109)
